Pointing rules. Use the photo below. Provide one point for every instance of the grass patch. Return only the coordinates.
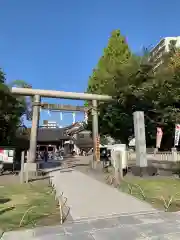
(162, 193)
(27, 205)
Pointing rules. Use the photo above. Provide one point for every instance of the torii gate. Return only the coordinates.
(38, 93)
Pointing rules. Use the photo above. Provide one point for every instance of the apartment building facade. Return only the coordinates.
(163, 47)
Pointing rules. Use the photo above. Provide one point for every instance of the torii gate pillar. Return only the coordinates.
(34, 129)
(95, 133)
(30, 167)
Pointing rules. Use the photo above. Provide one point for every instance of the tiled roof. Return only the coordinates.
(51, 134)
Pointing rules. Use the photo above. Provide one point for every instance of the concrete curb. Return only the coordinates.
(81, 220)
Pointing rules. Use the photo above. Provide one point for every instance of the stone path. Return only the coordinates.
(89, 198)
(151, 226)
(100, 212)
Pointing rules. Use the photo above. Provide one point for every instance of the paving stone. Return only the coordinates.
(127, 233)
(129, 220)
(158, 229)
(114, 222)
(174, 236)
(83, 236)
(158, 238)
(150, 218)
(41, 231)
(171, 217)
(105, 223)
(78, 227)
(17, 235)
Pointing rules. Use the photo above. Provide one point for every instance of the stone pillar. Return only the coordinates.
(140, 139)
(22, 167)
(174, 154)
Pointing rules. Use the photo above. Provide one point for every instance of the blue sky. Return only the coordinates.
(56, 44)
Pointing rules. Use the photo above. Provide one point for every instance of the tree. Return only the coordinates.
(131, 81)
(116, 53)
(174, 61)
(137, 88)
(27, 101)
(11, 110)
(102, 80)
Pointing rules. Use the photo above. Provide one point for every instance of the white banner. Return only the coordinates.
(159, 135)
(177, 135)
(61, 116)
(49, 113)
(74, 117)
(86, 117)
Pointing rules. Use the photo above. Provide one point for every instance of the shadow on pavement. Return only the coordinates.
(7, 209)
(39, 179)
(4, 200)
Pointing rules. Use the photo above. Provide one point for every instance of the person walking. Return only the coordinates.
(45, 155)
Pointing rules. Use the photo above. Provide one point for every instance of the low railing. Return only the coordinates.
(159, 156)
(168, 156)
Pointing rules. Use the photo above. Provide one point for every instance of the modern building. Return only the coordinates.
(163, 47)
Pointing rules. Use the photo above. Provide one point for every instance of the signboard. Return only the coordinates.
(7, 155)
(159, 135)
(177, 135)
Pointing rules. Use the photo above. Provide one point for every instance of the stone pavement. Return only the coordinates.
(100, 212)
(148, 226)
(89, 198)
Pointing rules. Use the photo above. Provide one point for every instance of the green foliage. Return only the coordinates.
(116, 53)
(131, 82)
(11, 110)
(157, 95)
(135, 87)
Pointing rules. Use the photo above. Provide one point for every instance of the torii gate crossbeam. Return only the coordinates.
(63, 107)
(38, 93)
(60, 94)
